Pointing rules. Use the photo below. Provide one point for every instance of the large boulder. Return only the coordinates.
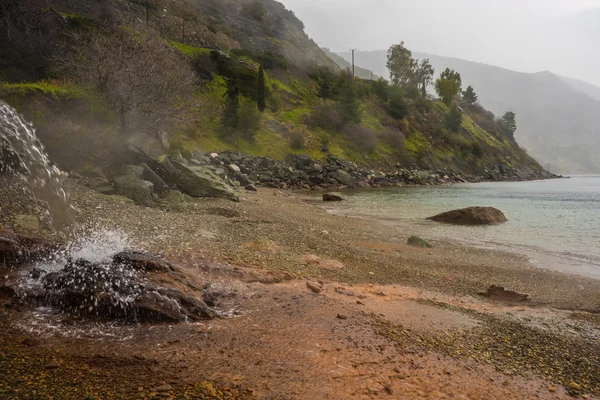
(149, 175)
(471, 216)
(135, 188)
(202, 182)
(343, 177)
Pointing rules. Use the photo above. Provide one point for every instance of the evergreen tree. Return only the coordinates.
(508, 124)
(470, 96)
(261, 98)
(349, 105)
(454, 118)
(231, 119)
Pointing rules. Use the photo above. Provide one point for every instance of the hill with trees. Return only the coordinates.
(556, 116)
(193, 76)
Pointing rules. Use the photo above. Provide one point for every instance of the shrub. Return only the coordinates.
(257, 10)
(477, 152)
(381, 89)
(394, 138)
(397, 106)
(271, 60)
(325, 116)
(249, 120)
(349, 105)
(361, 138)
(296, 140)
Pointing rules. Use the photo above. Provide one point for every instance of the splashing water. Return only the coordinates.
(22, 153)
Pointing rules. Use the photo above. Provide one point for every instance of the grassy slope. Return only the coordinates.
(297, 95)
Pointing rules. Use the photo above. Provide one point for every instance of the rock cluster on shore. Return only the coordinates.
(222, 174)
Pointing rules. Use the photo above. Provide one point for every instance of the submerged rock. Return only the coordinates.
(471, 216)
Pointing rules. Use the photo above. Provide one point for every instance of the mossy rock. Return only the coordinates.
(416, 241)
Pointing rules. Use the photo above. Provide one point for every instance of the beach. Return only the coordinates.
(323, 306)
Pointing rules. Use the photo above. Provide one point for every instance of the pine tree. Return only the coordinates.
(349, 105)
(261, 98)
(470, 96)
(508, 124)
(454, 118)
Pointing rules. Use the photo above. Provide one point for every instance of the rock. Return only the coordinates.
(234, 168)
(251, 188)
(471, 216)
(574, 386)
(27, 222)
(342, 316)
(136, 189)
(499, 293)
(299, 161)
(333, 196)
(141, 261)
(150, 146)
(343, 177)
(149, 175)
(202, 182)
(135, 170)
(118, 290)
(51, 365)
(162, 388)
(174, 200)
(314, 287)
(416, 241)
(241, 178)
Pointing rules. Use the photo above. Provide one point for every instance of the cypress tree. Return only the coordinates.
(261, 98)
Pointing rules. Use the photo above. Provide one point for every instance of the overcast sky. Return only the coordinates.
(562, 36)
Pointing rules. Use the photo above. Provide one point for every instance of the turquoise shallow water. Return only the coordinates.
(555, 222)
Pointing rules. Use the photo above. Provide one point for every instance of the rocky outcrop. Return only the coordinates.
(200, 181)
(118, 290)
(471, 216)
(135, 188)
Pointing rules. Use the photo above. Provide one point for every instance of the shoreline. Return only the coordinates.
(387, 321)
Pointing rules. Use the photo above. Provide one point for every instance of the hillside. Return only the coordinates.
(185, 77)
(556, 117)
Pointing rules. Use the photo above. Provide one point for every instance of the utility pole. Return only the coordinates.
(353, 50)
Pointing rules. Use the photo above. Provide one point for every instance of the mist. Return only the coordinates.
(523, 35)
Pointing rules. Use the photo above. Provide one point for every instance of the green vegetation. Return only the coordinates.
(470, 96)
(271, 95)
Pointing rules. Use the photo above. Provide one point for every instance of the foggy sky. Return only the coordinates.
(562, 36)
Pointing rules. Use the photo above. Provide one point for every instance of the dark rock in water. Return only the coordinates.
(149, 175)
(135, 188)
(471, 216)
(119, 290)
(19, 248)
(416, 241)
(141, 261)
(333, 196)
(499, 293)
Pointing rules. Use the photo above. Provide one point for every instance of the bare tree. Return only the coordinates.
(147, 82)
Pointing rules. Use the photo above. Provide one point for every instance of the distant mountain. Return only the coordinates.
(557, 117)
(587, 88)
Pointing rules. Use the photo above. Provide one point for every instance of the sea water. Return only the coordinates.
(554, 222)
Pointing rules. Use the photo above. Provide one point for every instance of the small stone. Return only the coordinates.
(360, 302)
(163, 388)
(315, 288)
(574, 386)
(333, 196)
(416, 241)
(251, 188)
(30, 341)
(551, 389)
(342, 316)
(51, 365)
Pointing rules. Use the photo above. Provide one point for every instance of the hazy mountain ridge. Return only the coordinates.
(553, 113)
